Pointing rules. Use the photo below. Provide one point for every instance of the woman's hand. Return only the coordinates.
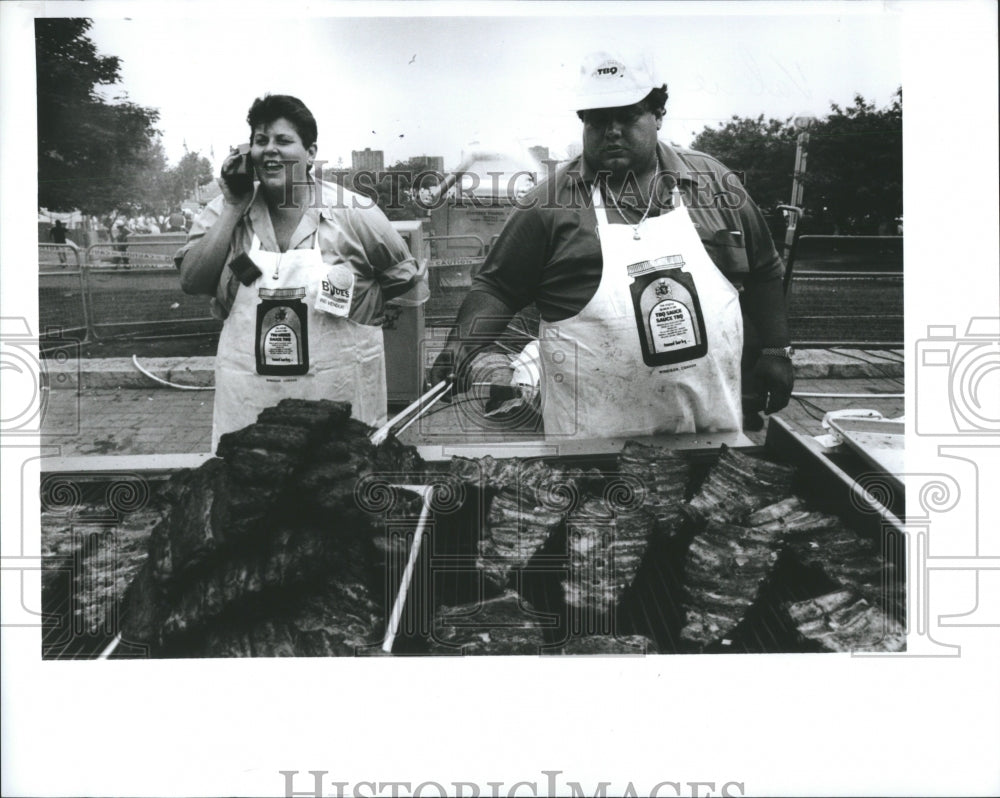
(236, 180)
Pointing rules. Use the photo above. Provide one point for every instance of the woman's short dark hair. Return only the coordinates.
(270, 107)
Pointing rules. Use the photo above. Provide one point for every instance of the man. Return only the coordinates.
(640, 258)
(176, 221)
(121, 234)
(57, 235)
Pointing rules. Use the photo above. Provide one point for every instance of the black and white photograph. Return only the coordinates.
(545, 395)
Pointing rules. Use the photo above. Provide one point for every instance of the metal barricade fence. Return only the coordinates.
(119, 289)
(846, 291)
(454, 261)
(114, 289)
(63, 307)
(443, 247)
(135, 287)
(846, 309)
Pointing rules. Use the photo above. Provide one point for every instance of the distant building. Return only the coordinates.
(539, 153)
(368, 158)
(431, 163)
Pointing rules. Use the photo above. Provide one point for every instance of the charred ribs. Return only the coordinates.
(272, 549)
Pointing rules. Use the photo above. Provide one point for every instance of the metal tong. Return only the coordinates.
(411, 412)
(396, 425)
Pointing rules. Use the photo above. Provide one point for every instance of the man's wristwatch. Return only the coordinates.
(778, 351)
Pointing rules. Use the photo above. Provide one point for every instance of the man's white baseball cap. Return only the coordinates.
(610, 79)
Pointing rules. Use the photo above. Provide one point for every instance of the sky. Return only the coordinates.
(436, 85)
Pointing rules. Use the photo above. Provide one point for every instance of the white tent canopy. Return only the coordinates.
(72, 219)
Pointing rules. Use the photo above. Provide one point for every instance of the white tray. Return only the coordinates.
(879, 441)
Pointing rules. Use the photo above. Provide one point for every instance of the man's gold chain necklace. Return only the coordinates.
(649, 207)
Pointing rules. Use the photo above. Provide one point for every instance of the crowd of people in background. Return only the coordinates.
(116, 229)
(176, 221)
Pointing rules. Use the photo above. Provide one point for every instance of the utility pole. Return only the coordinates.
(795, 209)
(798, 187)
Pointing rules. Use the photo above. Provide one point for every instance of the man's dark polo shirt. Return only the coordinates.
(548, 252)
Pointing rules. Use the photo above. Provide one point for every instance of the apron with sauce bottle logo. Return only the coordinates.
(288, 335)
(657, 348)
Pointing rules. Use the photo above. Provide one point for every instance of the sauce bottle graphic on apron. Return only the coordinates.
(282, 344)
(667, 312)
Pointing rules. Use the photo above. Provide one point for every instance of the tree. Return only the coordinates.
(853, 179)
(192, 170)
(97, 156)
(854, 175)
(763, 152)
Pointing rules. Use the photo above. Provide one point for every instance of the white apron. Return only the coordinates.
(277, 344)
(657, 349)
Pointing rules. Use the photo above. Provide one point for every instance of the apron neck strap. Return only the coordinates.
(600, 210)
(255, 241)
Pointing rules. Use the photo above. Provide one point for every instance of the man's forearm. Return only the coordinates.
(764, 303)
(481, 320)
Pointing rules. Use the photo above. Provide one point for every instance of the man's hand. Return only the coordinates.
(770, 385)
(443, 369)
(481, 320)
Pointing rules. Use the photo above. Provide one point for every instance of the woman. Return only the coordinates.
(300, 270)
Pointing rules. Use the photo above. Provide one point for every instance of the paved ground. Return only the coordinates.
(107, 407)
(103, 421)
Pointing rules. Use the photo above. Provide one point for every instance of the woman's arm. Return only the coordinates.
(395, 270)
(202, 264)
